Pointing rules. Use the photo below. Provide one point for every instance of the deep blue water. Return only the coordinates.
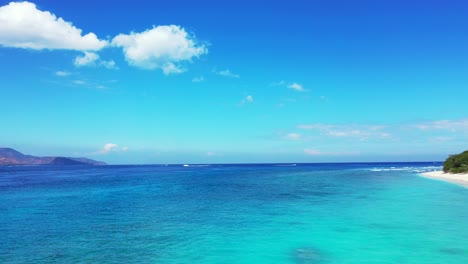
(274, 213)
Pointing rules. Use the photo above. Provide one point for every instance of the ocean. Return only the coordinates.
(257, 213)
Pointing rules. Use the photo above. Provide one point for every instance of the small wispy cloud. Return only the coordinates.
(110, 147)
(436, 131)
(441, 139)
(280, 83)
(92, 84)
(460, 125)
(316, 152)
(293, 136)
(79, 82)
(171, 68)
(362, 132)
(324, 98)
(62, 73)
(248, 99)
(198, 79)
(312, 152)
(213, 154)
(227, 73)
(297, 87)
(87, 59)
(108, 64)
(91, 59)
(293, 85)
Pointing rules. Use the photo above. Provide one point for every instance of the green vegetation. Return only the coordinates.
(457, 163)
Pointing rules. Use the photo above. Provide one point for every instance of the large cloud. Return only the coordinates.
(22, 25)
(162, 47)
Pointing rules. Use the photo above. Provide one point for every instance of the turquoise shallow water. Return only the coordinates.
(320, 213)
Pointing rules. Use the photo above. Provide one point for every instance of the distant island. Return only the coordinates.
(9, 156)
(457, 163)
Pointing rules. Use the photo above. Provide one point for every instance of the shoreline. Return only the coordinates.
(459, 179)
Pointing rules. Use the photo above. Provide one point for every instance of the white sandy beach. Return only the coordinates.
(460, 179)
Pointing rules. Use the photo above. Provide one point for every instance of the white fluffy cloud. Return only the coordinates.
(22, 25)
(162, 47)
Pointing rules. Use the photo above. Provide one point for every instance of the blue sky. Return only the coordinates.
(203, 82)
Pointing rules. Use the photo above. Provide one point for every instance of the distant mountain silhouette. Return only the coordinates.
(9, 156)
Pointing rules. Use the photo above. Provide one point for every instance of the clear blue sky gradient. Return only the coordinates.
(383, 80)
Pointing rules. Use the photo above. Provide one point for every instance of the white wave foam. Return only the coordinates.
(408, 169)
